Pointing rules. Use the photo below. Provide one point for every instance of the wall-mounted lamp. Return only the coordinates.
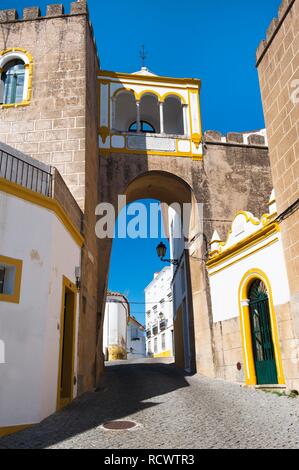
(161, 252)
(78, 277)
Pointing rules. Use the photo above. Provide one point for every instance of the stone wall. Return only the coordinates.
(278, 68)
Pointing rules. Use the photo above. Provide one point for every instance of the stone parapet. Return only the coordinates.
(255, 138)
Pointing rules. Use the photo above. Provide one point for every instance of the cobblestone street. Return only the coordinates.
(173, 411)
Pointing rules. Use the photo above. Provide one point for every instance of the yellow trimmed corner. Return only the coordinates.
(246, 281)
(18, 265)
(6, 431)
(163, 354)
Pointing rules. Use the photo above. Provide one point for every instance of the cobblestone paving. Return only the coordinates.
(173, 411)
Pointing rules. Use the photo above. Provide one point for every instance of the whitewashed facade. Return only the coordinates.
(181, 298)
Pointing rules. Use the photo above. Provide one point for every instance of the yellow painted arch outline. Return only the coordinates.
(246, 281)
(138, 96)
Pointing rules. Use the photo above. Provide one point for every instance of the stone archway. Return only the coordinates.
(169, 180)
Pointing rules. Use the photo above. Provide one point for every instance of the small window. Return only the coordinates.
(156, 345)
(144, 127)
(10, 279)
(13, 80)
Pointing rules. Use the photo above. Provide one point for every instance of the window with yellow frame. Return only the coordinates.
(10, 279)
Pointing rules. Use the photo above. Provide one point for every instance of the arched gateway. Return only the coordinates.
(151, 146)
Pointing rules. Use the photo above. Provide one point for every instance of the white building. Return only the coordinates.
(253, 325)
(182, 304)
(40, 258)
(135, 339)
(159, 315)
(115, 327)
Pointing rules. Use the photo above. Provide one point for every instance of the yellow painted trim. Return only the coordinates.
(265, 220)
(246, 281)
(149, 78)
(18, 264)
(6, 431)
(163, 354)
(197, 135)
(151, 153)
(66, 284)
(42, 201)
(243, 257)
(28, 66)
(177, 95)
(256, 237)
(190, 115)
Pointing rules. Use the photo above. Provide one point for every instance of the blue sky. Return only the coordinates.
(211, 40)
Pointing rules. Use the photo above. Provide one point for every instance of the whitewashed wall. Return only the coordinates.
(115, 323)
(158, 289)
(179, 285)
(28, 379)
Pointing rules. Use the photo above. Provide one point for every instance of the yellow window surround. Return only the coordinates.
(18, 265)
(29, 70)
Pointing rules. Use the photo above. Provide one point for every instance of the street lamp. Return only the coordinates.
(161, 252)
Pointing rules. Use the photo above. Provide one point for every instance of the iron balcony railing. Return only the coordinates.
(26, 174)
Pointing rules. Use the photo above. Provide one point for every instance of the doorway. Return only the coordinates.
(67, 344)
(261, 331)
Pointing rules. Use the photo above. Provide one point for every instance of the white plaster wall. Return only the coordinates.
(225, 284)
(138, 346)
(28, 379)
(158, 289)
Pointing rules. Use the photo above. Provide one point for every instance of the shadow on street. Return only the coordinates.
(124, 390)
